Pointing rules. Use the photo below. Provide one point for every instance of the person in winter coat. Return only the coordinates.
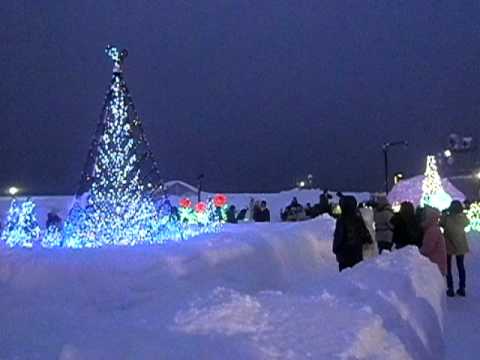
(350, 235)
(309, 211)
(324, 207)
(256, 210)
(406, 229)
(369, 250)
(53, 220)
(251, 209)
(383, 228)
(230, 213)
(454, 224)
(295, 211)
(262, 214)
(433, 245)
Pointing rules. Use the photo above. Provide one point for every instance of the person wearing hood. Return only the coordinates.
(433, 245)
(350, 235)
(383, 228)
(454, 224)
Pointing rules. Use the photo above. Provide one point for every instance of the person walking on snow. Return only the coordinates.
(433, 245)
(454, 224)
(383, 228)
(350, 235)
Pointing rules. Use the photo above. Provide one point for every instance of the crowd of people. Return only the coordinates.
(297, 212)
(257, 211)
(365, 230)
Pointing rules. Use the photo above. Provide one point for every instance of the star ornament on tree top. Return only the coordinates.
(117, 56)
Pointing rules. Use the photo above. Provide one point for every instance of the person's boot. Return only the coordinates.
(461, 292)
(450, 293)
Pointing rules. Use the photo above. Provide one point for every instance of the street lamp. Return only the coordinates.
(13, 190)
(385, 148)
(397, 178)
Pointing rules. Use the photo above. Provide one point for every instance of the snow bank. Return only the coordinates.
(390, 308)
(257, 291)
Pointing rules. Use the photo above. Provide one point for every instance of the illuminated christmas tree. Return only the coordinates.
(473, 215)
(21, 228)
(75, 232)
(119, 177)
(433, 193)
(119, 207)
(53, 237)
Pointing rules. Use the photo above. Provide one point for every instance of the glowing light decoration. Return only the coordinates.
(220, 200)
(185, 203)
(21, 228)
(119, 209)
(53, 237)
(473, 214)
(118, 212)
(433, 193)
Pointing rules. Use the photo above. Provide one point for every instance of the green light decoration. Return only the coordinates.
(473, 215)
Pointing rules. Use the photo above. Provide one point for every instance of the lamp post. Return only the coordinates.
(200, 179)
(385, 149)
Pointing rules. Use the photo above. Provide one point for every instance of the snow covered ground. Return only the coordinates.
(254, 291)
(462, 330)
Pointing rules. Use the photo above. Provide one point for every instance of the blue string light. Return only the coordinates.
(21, 228)
(119, 211)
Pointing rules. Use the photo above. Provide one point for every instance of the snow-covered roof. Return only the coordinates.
(180, 188)
(411, 190)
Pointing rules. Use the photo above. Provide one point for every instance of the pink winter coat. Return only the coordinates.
(433, 245)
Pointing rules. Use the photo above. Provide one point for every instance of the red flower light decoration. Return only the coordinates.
(201, 207)
(220, 200)
(185, 203)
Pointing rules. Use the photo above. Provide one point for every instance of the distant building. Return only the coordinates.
(178, 188)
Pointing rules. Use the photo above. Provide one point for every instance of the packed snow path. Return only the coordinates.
(462, 328)
(259, 291)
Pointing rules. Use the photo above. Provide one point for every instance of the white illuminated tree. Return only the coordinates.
(22, 227)
(433, 193)
(118, 211)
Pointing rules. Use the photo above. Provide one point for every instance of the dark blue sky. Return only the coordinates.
(252, 93)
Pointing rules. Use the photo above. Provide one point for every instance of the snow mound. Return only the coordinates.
(255, 291)
(361, 314)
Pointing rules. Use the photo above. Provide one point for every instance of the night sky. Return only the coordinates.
(254, 94)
